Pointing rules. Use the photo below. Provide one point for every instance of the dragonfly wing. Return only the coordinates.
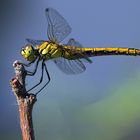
(58, 28)
(35, 42)
(73, 42)
(70, 66)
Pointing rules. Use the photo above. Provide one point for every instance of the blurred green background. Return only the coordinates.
(100, 104)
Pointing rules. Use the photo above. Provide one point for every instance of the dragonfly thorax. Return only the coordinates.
(49, 50)
(29, 53)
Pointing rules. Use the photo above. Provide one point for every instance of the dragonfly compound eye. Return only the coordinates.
(28, 53)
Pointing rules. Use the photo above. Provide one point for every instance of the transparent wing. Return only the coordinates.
(73, 42)
(58, 28)
(70, 66)
(34, 42)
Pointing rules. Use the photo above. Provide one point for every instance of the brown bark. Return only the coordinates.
(25, 101)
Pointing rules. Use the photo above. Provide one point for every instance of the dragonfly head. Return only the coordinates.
(29, 53)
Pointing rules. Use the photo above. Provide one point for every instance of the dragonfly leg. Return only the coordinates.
(32, 73)
(42, 73)
(28, 64)
(44, 65)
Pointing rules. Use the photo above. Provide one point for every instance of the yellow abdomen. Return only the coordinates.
(75, 52)
(111, 51)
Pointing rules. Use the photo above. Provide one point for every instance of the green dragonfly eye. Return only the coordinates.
(28, 52)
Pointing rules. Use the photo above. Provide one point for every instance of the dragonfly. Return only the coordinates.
(69, 57)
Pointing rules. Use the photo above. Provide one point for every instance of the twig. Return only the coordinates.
(25, 101)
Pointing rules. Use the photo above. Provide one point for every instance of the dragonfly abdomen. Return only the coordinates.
(91, 52)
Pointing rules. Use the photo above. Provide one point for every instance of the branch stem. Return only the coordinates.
(25, 101)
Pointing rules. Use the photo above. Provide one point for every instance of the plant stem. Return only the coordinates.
(25, 101)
